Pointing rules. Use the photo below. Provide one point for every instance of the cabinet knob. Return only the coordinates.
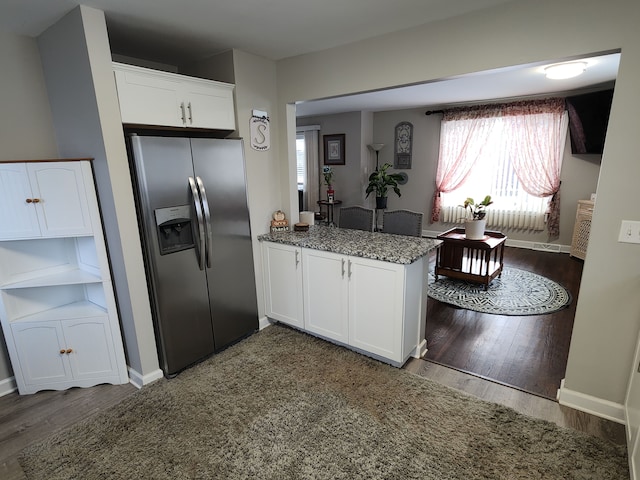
(69, 350)
(62, 351)
(36, 200)
(29, 200)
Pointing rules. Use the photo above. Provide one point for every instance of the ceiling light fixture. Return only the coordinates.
(565, 70)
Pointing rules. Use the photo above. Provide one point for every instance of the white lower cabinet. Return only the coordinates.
(57, 305)
(65, 353)
(283, 283)
(376, 304)
(326, 294)
(370, 305)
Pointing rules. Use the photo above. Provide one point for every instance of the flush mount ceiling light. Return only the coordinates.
(565, 70)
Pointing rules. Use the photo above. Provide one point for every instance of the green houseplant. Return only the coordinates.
(475, 212)
(380, 181)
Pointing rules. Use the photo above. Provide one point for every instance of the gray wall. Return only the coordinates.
(579, 175)
(525, 31)
(26, 131)
(348, 179)
(77, 64)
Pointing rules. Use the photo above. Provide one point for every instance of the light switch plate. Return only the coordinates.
(629, 232)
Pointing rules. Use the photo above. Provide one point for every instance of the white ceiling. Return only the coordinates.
(505, 83)
(276, 29)
(179, 31)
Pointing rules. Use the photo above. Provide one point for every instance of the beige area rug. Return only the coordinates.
(283, 405)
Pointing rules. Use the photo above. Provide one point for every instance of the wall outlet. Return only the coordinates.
(629, 232)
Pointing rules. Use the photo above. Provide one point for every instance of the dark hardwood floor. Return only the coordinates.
(525, 352)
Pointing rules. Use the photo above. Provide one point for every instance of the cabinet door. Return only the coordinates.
(147, 97)
(18, 217)
(209, 105)
(376, 307)
(92, 353)
(40, 361)
(283, 283)
(325, 294)
(62, 205)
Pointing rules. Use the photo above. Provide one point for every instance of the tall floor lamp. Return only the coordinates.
(376, 147)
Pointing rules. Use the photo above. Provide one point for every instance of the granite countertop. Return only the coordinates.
(375, 245)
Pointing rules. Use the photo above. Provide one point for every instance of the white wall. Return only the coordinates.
(26, 131)
(526, 31)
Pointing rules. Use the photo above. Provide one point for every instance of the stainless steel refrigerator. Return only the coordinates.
(192, 209)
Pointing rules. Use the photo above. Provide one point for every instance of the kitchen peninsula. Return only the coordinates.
(363, 290)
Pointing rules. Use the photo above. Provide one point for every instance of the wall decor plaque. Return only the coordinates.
(403, 145)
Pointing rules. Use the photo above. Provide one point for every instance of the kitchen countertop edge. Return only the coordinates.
(386, 247)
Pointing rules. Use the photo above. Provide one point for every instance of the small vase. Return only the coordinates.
(474, 229)
(331, 194)
(381, 203)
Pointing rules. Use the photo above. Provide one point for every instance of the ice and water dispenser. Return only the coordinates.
(175, 232)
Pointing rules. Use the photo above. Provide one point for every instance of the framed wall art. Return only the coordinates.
(403, 145)
(334, 149)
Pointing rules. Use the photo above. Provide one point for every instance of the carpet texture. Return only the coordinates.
(283, 405)
(516, 292)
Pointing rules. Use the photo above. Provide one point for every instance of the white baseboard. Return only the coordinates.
(7, 386)
(264, 322)
(420, 349)
(139, 381)
(544, 247)
(593, 405)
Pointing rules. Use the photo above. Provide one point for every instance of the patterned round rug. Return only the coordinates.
(516, 292)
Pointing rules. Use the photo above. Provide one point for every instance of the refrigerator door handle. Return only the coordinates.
(207, 221)
(201, 234)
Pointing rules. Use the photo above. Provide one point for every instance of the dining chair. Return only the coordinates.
(402, 222)
(356, 218)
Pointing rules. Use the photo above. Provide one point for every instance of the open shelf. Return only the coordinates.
(81, 309)
(71, 277)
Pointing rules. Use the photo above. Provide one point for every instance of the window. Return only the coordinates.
(301, 156)
(512, 152)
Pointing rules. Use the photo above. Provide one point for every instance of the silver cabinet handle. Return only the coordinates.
(190, 113)
(349, 267)
(182, 114)
(343, 268)
(198, 208)
(207, 222)
(297, 258)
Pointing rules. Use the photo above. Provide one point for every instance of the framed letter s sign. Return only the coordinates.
(260, 137)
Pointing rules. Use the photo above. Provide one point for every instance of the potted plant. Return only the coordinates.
(327, 173)
(475, 222)
(380, 181)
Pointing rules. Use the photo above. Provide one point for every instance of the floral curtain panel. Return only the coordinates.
(532, 134)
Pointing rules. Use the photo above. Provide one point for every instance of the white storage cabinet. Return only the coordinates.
(152, 97)
(283, 284)
(371, 305)
(57, 306)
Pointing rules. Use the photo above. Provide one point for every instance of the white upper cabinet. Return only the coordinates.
(151, 97)
(43, 199)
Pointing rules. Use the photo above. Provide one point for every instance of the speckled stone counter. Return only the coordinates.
(377, 246)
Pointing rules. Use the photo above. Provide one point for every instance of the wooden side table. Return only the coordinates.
(478, 261)
(329, 206)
